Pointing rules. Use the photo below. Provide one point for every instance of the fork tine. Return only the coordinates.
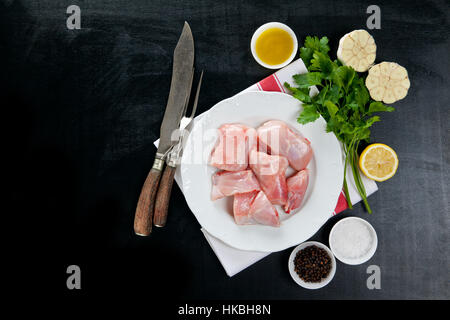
(183, 114)
(186, 121)
(194, 107)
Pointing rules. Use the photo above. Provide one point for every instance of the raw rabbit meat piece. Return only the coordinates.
(254, 207)
(263, 212)
(227, 183)
(297, 185)
(270, 171)
(241, 207)
(231, 151)
(278, 139)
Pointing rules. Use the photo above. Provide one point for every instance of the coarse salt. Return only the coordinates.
(352, 239)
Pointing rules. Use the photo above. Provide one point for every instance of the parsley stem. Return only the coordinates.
(356, 176)
(347, 195)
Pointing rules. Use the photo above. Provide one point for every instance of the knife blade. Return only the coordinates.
(180, 88)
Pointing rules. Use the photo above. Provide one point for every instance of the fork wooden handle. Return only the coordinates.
(144, 210)
(163, 197)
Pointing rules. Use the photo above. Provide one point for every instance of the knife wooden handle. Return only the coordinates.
(144, 210)
(163, 197)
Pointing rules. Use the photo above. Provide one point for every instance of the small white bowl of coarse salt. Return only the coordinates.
(353, 240)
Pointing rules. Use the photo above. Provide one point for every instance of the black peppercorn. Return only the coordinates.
(312, 264)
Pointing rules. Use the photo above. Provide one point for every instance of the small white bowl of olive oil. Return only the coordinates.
(274, 45)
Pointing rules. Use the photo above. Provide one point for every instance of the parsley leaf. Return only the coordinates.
(377, 106)
(300, 94)
(361, 94)
(323, 63)
(306, 54)
(313, 44)
(334, 93)
(309, 114)
(343, 76)
(307, 80)
(323, 44)
(331, 107)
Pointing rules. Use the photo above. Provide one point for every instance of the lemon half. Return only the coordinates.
(378, 162)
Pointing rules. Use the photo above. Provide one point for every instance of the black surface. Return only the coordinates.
(81, 109)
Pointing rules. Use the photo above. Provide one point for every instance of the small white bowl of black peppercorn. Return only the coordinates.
(312, 265)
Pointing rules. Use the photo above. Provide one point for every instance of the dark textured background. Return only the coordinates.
(81, 109)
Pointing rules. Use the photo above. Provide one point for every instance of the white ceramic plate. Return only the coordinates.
(325, 181)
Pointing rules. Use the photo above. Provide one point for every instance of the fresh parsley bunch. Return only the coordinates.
(343, 101)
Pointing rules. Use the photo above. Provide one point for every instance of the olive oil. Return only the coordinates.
(274, 46)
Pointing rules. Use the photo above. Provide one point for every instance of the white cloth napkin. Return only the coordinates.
(234, 260)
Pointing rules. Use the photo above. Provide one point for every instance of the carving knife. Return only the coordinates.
(180, 88)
